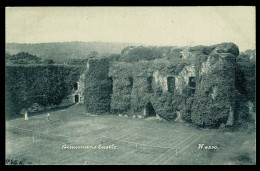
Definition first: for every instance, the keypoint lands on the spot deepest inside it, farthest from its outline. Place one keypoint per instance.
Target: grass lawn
(135, 141)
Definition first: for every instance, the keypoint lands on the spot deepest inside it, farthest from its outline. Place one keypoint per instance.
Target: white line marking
(171, 148)
(182, 149)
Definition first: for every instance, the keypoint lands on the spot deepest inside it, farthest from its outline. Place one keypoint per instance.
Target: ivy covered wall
(204, 85)
(209, 102)
(98, 86)
(46, 85)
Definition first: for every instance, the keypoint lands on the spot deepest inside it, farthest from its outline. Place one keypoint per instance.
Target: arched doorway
(149, 110)
(76, 98)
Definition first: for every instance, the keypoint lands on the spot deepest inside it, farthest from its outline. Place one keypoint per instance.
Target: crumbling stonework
(182, 79)
(212, 93)
(196, 84)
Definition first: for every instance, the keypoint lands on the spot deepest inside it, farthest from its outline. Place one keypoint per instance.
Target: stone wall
(209, 102)
(110, 86)
(150, 85)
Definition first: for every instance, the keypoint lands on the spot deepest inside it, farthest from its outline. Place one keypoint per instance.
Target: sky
(160, 26)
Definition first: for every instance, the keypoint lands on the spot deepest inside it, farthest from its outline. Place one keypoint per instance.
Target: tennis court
(134, 141)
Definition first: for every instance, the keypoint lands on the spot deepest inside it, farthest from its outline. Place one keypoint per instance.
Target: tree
(48, 61)
(93, 54)
(22, 58)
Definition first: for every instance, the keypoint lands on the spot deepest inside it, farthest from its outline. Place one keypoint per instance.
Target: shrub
(164, 106)
(245, 79)
(207, 113)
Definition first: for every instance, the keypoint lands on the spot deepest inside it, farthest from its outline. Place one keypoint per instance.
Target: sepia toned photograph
(136, 85)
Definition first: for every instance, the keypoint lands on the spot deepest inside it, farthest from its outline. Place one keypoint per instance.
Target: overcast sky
(174, 26)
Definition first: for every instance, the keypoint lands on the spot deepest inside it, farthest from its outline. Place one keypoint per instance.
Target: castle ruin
(194, 84)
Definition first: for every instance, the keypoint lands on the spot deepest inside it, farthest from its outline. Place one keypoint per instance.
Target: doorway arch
(149, 110)
(76, 98)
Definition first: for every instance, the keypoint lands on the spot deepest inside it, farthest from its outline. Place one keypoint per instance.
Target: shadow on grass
(242, 126)
(243, 158)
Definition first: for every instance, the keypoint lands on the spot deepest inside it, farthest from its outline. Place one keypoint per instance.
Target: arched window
(75, 86)
(131, 82)
(192, 84)
(171, 84)
(150, 82)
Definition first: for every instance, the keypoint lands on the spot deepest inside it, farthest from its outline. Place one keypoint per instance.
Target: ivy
(43, 84)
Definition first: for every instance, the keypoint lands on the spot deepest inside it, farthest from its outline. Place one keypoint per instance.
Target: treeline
(25, 58)
(22, 58)
(60, 51)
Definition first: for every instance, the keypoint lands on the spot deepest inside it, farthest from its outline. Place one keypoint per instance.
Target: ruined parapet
(187, 54)
(98, 87)
(226, 48)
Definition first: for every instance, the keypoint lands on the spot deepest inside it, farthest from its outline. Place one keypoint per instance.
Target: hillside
(60, 51)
